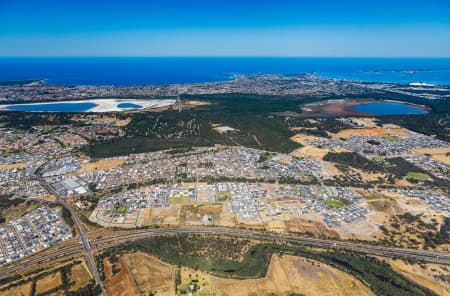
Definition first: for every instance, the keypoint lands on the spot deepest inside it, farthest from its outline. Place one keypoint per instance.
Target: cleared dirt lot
(99, 165)
(20, 165)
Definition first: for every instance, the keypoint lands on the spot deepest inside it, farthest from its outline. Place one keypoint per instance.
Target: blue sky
(225, 28)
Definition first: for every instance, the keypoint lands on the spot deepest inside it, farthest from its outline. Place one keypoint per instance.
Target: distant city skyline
(231, 28)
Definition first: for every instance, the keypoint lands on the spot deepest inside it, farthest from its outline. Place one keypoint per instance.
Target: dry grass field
(107, 268)
(289, 274)
(99, 165)
(202, 282)
(361, 131)
(150, 274)
(92, 118)
(142, 274)
(160, 216)
(303, 139)
(48, 283)
(19, 165)
(22, 290)
(426, 275)
(311, 152)
(122, 284)
(439, 154)
(79, 277)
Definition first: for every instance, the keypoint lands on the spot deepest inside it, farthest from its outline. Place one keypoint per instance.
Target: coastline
(102, 105)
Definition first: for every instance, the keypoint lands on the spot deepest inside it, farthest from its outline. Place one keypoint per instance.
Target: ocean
(138, 71)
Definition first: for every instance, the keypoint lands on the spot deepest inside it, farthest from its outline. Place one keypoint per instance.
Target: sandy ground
(20, 165)
(439, 154)
(341, 107)
(101, 164)
(311, 223)
(110, 105)
(370, 121)
(427, 277)
(162, 216)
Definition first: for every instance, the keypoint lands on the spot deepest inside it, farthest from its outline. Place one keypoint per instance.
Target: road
(89, 243)
(80, 228)
(112, 239)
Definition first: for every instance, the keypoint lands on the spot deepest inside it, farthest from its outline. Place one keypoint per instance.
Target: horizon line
(224, 56)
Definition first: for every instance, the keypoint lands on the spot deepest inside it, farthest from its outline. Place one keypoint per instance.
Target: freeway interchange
(115, 238)
(90, 243)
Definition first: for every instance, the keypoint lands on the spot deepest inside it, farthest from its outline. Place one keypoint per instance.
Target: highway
(90, 243)
(80, 228)
(113, 239)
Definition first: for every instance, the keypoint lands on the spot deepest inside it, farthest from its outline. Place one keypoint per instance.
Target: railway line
(114, 239)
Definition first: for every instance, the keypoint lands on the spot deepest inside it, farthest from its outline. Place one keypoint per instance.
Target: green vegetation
(428, 124)
(334, 203)
(250, 114)
(390, 138)
(353, 159)
(373, 142)
(418, 176)
(265, 157)
(119, 210)
(125, 146)
(221, 256)
(67, 216)
(337, 202)
(6, 201)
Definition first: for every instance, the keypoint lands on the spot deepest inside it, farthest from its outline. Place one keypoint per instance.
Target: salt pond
(388, 108)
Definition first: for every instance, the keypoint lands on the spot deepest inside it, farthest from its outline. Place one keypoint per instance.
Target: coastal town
(224, 148)
(72, 181)
(320, 170)
(216, 185)
(268, 84)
